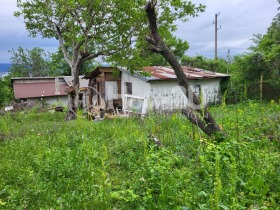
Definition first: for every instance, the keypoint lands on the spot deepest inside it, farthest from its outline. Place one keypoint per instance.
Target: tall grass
(47, 163)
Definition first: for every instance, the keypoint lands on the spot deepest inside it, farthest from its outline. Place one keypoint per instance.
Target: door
(111, 92)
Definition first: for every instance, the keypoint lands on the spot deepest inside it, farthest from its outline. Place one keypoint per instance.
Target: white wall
(210, 89)
(168, 95)
(139, 87)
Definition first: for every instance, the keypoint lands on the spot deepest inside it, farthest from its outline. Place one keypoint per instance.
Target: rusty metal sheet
(167, 73)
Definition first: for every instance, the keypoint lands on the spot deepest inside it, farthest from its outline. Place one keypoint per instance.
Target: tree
(6, 92)
(216, 65)
(89, 29)
(59, 66)
(262, 62)
(85, 30)
(178, 46)
(269, 44)
(268, 47)
(202, 117)
(29, 63)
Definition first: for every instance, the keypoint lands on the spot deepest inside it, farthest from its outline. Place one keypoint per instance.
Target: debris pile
(23, 105)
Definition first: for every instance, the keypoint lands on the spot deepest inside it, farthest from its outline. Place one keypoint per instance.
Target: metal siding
(35, 90)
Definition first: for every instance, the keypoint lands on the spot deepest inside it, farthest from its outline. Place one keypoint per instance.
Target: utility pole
(216, 34)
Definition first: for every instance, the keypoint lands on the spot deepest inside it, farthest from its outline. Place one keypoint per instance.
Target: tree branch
(76, 16)
(150, 10)
(150, 40)
(61, 42)
(204, 120)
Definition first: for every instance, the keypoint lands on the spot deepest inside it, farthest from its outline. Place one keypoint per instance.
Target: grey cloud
(240, 19)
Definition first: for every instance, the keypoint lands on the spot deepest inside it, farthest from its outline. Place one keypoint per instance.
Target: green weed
(47, 163)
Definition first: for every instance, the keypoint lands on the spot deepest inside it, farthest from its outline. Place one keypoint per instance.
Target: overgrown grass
(47, 163)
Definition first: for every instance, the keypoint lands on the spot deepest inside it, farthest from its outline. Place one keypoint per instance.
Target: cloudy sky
(239, 20)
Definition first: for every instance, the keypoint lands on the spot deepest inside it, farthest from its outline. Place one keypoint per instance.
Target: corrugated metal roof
(167, 73)
(35, 89)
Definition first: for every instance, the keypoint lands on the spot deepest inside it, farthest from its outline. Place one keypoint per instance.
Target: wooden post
(261, 87)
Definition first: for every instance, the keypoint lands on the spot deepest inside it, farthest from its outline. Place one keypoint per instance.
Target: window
(197, 90)
(80, 96)
(128, 88)
(135, 104)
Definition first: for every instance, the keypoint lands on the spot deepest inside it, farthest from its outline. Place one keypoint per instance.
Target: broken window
(128, 88)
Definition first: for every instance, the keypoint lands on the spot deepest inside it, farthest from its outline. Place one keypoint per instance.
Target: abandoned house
(50, 90)
(118, 89)
(157, 89)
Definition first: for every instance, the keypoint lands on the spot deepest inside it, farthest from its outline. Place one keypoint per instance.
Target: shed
(104, 87)
(158, 86)
(51, 90)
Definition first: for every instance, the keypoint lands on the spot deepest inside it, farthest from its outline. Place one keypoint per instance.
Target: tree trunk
(197, 114)
(73, 94)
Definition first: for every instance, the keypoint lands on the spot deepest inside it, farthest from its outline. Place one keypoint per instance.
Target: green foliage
(60, 67)
(36, 62)
(30, 63)
(104, 28)
(150, 58)
(168, 12)
(268, 45)
(246, 72)
(199, 61)
(113, 164)
(262, 60)
(6, 91)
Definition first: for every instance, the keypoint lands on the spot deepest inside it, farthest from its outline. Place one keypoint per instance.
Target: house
(51, 90)
(156, 89)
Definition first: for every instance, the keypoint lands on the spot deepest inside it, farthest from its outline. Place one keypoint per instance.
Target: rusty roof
(167, 73)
